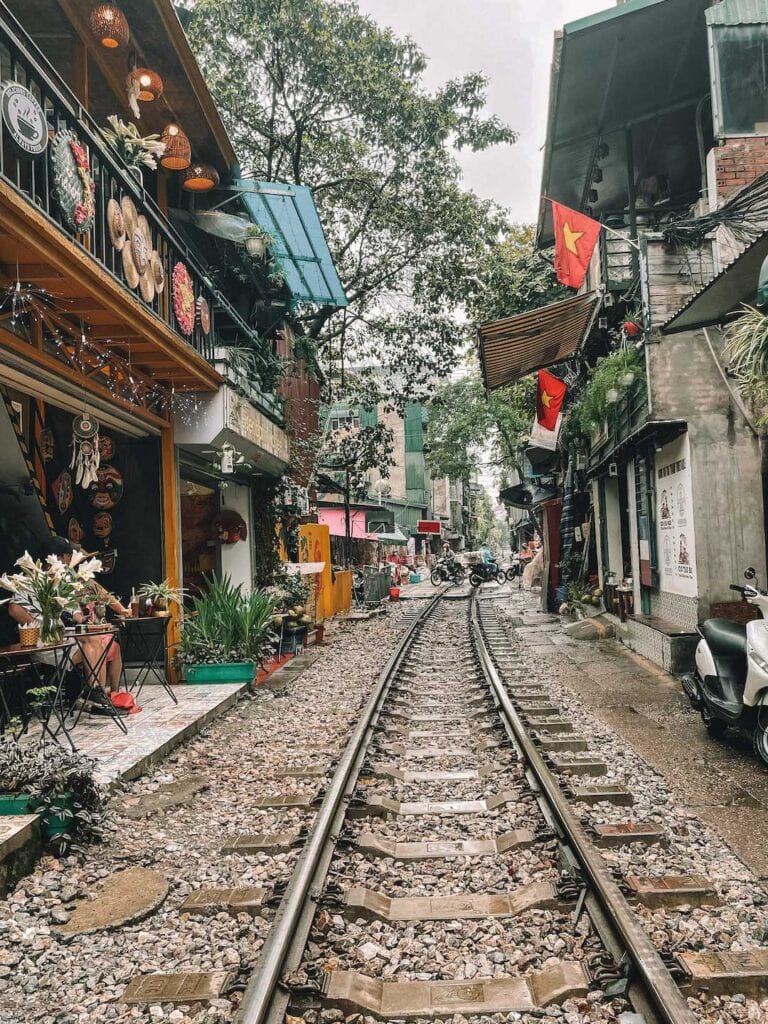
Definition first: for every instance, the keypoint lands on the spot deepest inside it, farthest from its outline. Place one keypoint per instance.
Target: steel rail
(263, 984)
(661, 988)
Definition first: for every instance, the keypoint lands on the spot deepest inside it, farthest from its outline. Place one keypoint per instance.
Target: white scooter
(730, 683)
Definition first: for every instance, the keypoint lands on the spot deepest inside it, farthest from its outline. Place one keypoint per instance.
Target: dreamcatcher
(85, 450)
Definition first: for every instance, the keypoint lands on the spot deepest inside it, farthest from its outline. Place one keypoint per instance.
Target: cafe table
(53, 710)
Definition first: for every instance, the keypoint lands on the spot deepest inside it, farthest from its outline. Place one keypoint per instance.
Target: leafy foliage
(514, 277)
(47, 773)
(315, 93)
(226, 625)
(612, 376)
(464, 421)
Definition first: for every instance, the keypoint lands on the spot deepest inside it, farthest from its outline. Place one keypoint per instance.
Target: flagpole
(603, 227)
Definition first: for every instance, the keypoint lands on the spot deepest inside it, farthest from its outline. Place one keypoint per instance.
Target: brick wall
(738, 161)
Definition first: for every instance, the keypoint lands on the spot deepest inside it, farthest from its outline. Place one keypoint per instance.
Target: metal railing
(22, 62)
(619, 265)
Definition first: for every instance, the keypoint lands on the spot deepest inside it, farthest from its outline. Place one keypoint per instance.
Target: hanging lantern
(148, 84)
(110, 26)
(200, 178)
(178, 152)
(631, 329)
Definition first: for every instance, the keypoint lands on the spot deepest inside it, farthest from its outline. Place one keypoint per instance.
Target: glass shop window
(740, 79)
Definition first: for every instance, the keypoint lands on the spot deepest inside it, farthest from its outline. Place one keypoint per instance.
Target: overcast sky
(511, 42)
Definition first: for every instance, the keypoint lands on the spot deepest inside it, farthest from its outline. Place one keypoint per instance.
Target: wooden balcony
(626, 418)
(90, 292)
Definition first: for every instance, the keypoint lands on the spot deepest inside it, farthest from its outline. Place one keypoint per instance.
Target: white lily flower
(26, 562)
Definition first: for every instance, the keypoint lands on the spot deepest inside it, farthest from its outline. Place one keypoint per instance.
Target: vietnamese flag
(550, 392)
(575, 238)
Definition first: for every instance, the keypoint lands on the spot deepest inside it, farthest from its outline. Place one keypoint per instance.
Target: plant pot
(255, 246)
(394, 593)
(14, 803)
(52, 822)
(225, 672)
(159, 604)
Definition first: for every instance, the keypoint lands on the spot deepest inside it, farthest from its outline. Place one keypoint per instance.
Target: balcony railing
(624, 418)
(21, 61)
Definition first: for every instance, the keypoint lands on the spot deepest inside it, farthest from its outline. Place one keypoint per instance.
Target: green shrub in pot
(226, 627)
(58, 784)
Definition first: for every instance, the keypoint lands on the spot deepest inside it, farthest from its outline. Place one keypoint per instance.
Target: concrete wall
(685, 384)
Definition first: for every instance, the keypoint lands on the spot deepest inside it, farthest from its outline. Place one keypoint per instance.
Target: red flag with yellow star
(575, 238)
(550, 392)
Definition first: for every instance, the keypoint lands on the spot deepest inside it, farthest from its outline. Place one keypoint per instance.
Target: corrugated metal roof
(289, 215)
(735, 284)
(511, 348)
(738, 12)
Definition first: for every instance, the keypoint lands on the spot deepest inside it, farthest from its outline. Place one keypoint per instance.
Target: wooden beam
(21, 219)
(57, 368)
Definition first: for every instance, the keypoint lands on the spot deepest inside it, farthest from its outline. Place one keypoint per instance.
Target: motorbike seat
(724, 637)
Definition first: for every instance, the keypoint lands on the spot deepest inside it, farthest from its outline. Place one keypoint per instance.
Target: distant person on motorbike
(487, 554)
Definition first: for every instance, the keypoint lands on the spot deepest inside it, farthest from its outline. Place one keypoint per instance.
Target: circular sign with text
(24, 118)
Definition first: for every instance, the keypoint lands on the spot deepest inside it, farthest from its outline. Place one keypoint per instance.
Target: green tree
(465, 425)
(315, 93)
(514, 277)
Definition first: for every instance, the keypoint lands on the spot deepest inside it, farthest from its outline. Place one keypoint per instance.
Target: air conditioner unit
(613, 469)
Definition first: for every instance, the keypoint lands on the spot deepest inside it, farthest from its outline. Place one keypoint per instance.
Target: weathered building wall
(738, 161)
(685, 384)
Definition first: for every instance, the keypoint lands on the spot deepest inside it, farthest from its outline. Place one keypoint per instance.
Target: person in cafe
(91, 647)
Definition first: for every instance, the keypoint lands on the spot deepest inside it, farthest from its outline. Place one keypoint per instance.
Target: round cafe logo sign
(24, 118)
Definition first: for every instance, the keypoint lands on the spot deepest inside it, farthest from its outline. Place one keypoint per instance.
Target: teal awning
(288, 213)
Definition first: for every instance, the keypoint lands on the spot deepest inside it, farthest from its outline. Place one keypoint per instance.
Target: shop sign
(432, 526)
(674, 518)
(24, 119)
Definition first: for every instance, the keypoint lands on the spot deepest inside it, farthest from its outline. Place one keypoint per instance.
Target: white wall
(613, 526)
(236, 559)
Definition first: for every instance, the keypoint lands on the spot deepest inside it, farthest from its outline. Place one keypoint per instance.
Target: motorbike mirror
(750, 573)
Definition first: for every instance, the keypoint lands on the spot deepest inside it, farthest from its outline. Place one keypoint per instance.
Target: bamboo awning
(509, 349)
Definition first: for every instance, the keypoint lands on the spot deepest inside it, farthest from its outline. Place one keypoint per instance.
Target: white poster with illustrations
(674, 518)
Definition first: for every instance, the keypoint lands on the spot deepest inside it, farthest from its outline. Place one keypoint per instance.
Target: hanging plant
(617, 374)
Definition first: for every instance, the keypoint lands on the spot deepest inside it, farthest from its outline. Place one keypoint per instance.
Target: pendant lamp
(148, 83)
(200, 178)
(110, 26)
(178, 152)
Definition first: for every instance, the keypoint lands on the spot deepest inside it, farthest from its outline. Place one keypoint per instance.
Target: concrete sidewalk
(719, 780)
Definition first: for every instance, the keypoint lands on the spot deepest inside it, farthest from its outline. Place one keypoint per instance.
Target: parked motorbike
(514, 570)
(447, 570)
(489, 572)
(730, 683)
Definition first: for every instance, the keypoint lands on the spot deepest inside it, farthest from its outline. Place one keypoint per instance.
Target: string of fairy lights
(23, 305)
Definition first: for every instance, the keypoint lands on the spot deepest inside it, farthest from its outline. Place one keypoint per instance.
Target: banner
(674, 519)
(543, 438)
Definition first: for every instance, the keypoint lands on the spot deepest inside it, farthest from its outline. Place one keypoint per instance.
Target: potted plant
(290, 592)
(257, 241)
(45, 590)
(133, 149)
(227, 634)
(160, 595)
(56, 783)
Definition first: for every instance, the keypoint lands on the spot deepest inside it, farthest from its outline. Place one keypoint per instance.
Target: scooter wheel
(760, 735)
(715, 726)
(436, 578)
(475, 580)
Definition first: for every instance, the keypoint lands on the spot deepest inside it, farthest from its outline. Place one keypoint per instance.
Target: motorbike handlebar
(736, 587)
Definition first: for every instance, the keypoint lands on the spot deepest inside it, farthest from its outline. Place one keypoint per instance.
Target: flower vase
(51, 628)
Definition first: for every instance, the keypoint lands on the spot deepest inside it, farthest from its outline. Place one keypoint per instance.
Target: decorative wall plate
(116, 224)
(102, 524)
(73, 185)
(204, 314)
(183, 299)
(106, 447)
(75, 532)
(158, 274)
(24, 118)
(140, 249)
(130, 216)
(62, 490)
(107, 491)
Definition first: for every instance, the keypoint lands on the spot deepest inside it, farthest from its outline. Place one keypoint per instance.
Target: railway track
(455, 830)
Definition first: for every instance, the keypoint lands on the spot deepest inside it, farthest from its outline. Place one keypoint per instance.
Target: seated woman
(90, 648)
